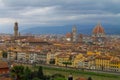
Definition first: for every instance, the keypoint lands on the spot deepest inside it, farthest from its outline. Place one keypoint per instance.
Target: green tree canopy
(67, 63)
(36, 79)
(89, 78)
(59, 78)
(40, 73)
(4, 54)
(18, 72)
(27, 73)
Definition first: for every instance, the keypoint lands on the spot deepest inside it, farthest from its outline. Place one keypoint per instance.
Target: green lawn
(76, 74)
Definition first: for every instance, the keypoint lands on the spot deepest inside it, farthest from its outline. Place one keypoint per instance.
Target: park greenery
(20, 72)
(67, 63)
(83, 72)
(25, 73)
(80, 73)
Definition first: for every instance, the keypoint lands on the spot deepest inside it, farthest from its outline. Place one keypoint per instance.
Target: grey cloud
(63, 12)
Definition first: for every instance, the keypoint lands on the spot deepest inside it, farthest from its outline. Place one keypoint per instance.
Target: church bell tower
(74, 34)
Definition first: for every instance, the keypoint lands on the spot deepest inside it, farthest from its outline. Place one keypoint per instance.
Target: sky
(31, 13)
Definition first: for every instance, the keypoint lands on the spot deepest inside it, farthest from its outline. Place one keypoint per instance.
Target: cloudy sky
(31, 13)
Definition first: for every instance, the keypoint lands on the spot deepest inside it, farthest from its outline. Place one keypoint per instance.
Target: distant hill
(84, 29)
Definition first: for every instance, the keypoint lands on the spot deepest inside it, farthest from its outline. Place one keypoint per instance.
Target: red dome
(98, 29)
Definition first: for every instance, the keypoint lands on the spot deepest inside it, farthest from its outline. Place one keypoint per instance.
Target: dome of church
(98, 29)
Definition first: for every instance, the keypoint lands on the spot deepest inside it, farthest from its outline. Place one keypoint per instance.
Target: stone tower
(16, 29)
(74, 34)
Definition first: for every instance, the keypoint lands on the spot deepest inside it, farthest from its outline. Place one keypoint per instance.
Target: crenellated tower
(16, 29)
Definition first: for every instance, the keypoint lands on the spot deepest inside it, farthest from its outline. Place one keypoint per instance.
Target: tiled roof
(63, 55)
(3, 64)
(98, 29)
(103, 57)
(4, 78)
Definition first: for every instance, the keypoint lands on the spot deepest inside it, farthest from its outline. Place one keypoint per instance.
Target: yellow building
(1, 54)
(115, 64)
(79, 58)
(49, 57)
(60, 58)
(27, 55)
(93, 53)
(102, 62)
(91, 64)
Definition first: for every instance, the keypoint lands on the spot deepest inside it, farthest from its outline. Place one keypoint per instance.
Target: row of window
(114, 66)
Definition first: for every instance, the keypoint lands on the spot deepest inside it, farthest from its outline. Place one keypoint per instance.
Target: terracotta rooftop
(103, 57)
(63, 55)
(3, 64)
(4, 78)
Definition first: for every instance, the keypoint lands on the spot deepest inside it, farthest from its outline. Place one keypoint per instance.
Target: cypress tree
(40, 73)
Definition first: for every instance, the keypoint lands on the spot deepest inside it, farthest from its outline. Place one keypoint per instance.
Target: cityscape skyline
(59, 40)
(39, 13)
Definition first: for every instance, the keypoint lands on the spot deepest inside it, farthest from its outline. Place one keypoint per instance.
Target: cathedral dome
(98, 29)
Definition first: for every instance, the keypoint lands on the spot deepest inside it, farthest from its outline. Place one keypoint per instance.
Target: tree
(27, 74)
(4, 54)
(36, 79)
(89, 78)
(34, 74)
(18, 72)
(40, 73)
(58, 76)
(47, 77)
(66, 63)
